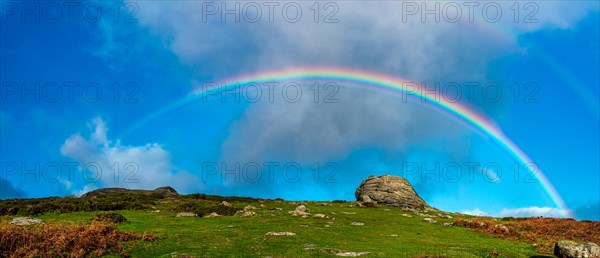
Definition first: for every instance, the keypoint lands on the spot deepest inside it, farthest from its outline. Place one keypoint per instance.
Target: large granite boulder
(571, 249)
(392, 191)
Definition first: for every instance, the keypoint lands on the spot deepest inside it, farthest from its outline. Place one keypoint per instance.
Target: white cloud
(533, 211)
(524, 212)
(368, 35)
(114, 165)
(475, 212)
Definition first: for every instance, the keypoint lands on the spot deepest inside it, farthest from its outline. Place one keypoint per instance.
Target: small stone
(357, 224)
(319, 216)
(250, 207)
(406, 215)
(280, 234)
(187, 214)
(351, 254)
(502, 228)
(212, 215)
(247, 214)
(225, 203)
(430, 220)
(301, 211)
(26, 221)
(446, 224)
(393, 235)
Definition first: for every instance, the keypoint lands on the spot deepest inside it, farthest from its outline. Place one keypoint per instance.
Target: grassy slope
(236, 236)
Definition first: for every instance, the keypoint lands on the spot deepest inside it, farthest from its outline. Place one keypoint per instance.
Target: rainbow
(366, 79)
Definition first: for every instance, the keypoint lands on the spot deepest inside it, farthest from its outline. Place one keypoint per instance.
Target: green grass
(232, 236)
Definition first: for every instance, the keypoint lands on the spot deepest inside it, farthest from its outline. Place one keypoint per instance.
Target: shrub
(93, 240)
(109, 217)
(205, 208)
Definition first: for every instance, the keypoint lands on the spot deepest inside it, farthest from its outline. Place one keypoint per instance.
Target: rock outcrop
(164, 191)
(571, 249)
(26, 221)
(392, 191)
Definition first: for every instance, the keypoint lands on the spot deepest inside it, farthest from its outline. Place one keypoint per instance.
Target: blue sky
(155, 53)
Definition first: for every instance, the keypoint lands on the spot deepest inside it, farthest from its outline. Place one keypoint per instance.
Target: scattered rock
(225, 203)
(430, 220)
(390, 190)
(425, 215)
(280, 234)
(302, 208)
(406, 215)
(276, 209)
(502, 228)
(212, 215)
(470, 223)
(157, 211)
(571, 249)
(347, 213)
(393, 235)
(301, 211)
(320, 216)
(357, 224)
(26, 221)
(186, 214)
(446, 224)
(351, 254)
(245, 214)
(250, 207)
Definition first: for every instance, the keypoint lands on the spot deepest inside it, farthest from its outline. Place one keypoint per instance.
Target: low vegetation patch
(109, 217)
(93, 240)
(28, 207)
(205, 208)
(543, 232)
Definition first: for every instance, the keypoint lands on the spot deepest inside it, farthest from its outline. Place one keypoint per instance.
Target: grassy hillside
(387, 231)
